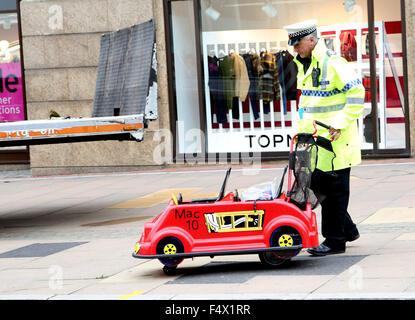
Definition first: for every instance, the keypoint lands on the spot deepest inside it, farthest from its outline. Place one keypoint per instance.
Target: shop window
(12, 106)
(254, 109)
(390, 75)
(8, 5)
(11, 88)
(189, 135)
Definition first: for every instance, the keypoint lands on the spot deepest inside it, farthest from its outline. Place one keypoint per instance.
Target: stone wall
(61, 43)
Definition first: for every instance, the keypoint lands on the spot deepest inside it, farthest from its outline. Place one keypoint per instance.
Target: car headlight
(137, 248)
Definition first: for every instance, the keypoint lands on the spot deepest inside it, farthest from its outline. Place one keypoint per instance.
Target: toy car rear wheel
(270, 259)
(284, 236)
(170, 245)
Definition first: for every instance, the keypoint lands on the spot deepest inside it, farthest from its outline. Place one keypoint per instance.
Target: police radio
(315, 74)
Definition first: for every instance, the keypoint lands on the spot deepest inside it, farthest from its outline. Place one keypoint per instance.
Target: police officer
(332, 93)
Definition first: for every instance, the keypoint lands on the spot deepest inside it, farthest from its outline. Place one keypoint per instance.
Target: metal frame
(405, 79)
(61, 130)
(170, 72)
(375, 153)
(200, 70)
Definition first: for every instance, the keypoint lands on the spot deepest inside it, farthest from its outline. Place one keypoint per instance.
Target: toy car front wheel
(170, 245)
(169, 270)
(284, 236)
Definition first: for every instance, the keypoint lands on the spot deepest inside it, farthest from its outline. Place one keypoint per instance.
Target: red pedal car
(276, 229)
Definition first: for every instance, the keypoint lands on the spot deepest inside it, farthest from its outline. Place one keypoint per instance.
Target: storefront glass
(255, 108)
(390, 75)
(188, 133)
(11, 89)
(248, 77)
(8, 5)
(11, 83)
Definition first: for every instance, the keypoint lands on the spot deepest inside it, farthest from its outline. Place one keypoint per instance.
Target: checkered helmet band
(295, 37)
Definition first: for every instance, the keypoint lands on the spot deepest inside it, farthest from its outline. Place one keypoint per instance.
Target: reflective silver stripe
(355, 100)
(324, 73)
(335, 107)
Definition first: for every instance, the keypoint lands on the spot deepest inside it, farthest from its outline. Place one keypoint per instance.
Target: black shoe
(323, 250)
(353, 237)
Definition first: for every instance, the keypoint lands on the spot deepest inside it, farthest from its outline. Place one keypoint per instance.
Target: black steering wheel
(235, 195)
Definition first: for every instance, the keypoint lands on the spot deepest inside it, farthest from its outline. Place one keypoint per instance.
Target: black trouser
(336, 225)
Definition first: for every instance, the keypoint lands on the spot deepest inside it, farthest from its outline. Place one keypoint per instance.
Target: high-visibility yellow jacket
(338, 101)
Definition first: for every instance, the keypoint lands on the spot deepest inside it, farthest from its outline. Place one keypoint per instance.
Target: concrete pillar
(61, 43)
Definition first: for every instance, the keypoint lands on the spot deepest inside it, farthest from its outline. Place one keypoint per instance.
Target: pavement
(71, 238)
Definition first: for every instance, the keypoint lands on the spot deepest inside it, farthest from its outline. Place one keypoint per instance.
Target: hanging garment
(227, 72)
(280, 66)
(367, 120)
(348, 47)
(290, 75)
(269, 81)
(235, 108)
(241, 77)
(253, 84)
(366, 84)
(287, 76)
(267, 87)
(257, 72)
(256, 64)
(368, 91)
(217, 99)
(329, 42)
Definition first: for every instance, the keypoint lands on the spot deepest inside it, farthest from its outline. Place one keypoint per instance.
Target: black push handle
(321, 124)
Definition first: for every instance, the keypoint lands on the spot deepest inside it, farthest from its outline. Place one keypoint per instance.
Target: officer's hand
(334, 133)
